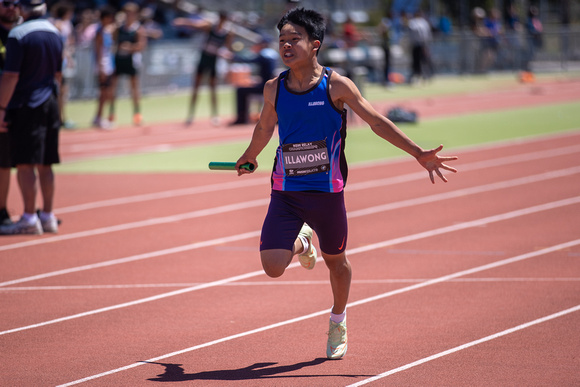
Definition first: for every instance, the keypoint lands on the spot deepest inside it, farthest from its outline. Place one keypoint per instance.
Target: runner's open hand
(431, 161)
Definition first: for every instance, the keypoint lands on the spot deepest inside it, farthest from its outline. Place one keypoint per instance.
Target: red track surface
(157, 278)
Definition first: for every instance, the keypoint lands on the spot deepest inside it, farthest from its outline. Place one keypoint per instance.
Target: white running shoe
(103, 124)
(50, 224)
(308, 258)
(22, 227)
(337, 343)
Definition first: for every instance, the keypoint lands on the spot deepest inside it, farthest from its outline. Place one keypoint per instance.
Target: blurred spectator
(105, 63)
(62, 15)
(219, 38)
(152, 29)
(384, 31)
(444, 25)
(420, 37)
(266, 58)
(350, 33)
(485, 54)
(9, 15)
(493, 38)
(130, 40)
(29, 112)
(513, 32)
(86, 28)
(534, 29)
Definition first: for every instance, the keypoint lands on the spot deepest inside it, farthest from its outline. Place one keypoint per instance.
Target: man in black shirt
(9, 15)
(29, 113)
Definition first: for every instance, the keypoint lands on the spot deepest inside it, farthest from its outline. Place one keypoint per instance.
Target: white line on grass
(219, 241)
(350, 305)
(467, 345)
(408, 238)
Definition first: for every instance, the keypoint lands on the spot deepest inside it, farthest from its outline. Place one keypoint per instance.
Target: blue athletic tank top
(312, 131)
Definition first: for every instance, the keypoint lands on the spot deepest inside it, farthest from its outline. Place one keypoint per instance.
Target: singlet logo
(316, 103)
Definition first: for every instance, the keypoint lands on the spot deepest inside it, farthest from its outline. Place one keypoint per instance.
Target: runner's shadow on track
(176, 373)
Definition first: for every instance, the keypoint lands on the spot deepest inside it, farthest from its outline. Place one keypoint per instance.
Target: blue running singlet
(312, 131)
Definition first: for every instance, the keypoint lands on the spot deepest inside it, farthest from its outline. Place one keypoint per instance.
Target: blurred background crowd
(388, 41)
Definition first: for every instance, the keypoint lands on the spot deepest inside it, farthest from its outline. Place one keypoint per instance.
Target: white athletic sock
(44, 216)
(30, 218)
(338, 318)
(304, 243)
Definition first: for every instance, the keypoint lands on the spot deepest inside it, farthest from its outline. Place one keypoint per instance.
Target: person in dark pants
(29, 112)
(219, 38)
(9, 15)
(131, 42)
(420, 38)
(266, 59)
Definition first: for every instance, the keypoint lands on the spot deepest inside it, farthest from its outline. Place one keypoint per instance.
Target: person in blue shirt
(265, 59)
(29, 112)
(307, 102)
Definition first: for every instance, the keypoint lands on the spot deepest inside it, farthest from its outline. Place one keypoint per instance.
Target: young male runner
(310, 170)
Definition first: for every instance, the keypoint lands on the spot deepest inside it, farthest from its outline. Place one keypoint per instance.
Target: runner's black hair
(312, 21)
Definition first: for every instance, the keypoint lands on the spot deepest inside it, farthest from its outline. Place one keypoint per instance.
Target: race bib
(305, 158)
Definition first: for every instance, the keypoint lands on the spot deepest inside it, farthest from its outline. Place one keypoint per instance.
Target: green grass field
(173, 107)
(362, 144)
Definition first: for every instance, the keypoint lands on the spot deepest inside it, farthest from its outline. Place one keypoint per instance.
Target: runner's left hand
(432, 162)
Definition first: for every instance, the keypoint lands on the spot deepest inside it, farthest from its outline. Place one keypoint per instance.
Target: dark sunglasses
(7, 4)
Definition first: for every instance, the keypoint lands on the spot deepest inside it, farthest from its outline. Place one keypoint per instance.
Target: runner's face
(9, 12)
(294, 44)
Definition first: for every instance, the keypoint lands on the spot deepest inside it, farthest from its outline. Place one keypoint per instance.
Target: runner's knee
(275, 262)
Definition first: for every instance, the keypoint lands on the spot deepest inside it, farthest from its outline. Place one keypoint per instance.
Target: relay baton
(229, 166)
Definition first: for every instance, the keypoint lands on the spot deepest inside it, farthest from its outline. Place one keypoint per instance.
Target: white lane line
(507, 261)
(408, 238)
(351, 215)
(138, 224)
(281, 283)
(220, 187)
(263, 202)
(352, 186)
(467, 345)
(474, 166)
(468, 191)
(153, 254)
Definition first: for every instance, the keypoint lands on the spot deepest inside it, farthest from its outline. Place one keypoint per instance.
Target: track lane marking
(218, 187)
(222, 209)
(282, 283)
(256, 203)
(374, 246)
(350, 305)
(468, 345)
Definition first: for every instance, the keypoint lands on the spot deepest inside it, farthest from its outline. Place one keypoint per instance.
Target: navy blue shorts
(324, 212)
(34, 133)
(5, 160)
